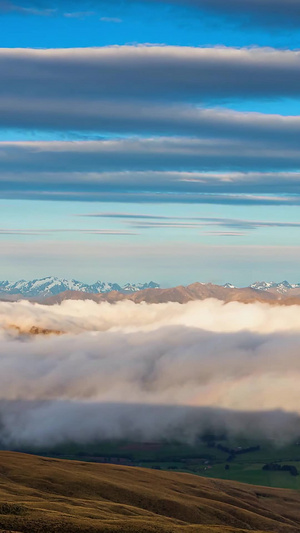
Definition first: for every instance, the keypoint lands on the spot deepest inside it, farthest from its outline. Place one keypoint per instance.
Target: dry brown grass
(39, 495)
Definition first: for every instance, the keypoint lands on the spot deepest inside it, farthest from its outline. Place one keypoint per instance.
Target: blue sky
(157, 141)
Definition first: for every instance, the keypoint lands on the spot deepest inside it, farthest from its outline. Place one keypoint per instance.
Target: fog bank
(75, 316)
(148, 372)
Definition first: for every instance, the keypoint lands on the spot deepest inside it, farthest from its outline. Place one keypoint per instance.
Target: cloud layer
(133, 154)
(155, 73)
(153, 92)
(127, 117)
(148, 371)
(153, 170)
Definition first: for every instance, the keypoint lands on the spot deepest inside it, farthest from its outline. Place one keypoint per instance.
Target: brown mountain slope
(39, 495)
(196, 291)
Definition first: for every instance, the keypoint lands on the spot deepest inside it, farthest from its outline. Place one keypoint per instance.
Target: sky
(150, 140)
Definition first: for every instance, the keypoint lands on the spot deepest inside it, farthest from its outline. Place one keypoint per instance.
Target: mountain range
(51, 286)
(53, 290)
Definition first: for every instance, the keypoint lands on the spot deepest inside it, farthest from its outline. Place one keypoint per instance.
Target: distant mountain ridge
(182, 295)
(55, 290)
(282, 287)
(52, 286)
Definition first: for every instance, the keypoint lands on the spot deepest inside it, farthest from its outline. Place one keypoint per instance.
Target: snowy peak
(229, 286)
(51, 286)
(282, 287)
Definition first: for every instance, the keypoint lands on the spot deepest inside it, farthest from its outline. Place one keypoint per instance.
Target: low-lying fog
(148, 371)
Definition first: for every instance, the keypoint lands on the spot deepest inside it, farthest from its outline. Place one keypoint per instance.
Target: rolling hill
(41, 495)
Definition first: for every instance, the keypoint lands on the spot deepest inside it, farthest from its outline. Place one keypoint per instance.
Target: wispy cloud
(38, 232)
(19, 232)
(220, 222)
(24, 8)
(127, 216)
(225, 233)
(172, 222)
(114, 20)
(79, 14)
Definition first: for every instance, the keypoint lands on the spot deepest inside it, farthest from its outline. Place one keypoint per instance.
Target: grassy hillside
(42, 495)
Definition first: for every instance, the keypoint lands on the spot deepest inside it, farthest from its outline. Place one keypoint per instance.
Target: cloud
(114, 20)
(148, 371)
(154, 170)
(19, 232)
(18, 7)
(127, 117)
(137, 219)
(250, 224)
(128, 216)
(149, 73)
(38, 232)
(156, 198)
(44, 90)
(200, 222)
(79, 14)
(154, 154)
(225, 233)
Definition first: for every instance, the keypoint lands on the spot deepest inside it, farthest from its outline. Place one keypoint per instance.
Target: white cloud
(114, 20)
(125, 361)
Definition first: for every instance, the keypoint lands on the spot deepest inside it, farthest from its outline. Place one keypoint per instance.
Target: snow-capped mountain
(229, 286)
(269, 286)
(52, 286)
(282, 287)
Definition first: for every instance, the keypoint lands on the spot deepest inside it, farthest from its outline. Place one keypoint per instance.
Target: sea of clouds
(148, 371)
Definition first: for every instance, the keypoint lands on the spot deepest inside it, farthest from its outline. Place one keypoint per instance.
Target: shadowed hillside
(40, 495)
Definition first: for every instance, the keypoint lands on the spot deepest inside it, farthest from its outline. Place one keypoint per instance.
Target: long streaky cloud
(157, 73)
(155, 154)
(136, 218)
(222, 222)
(127, 117)
(23, 176)
(38, 232)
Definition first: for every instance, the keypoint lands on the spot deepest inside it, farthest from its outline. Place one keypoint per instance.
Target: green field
(205, 458)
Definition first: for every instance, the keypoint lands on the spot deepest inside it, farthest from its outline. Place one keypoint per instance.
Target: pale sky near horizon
(150, 139)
